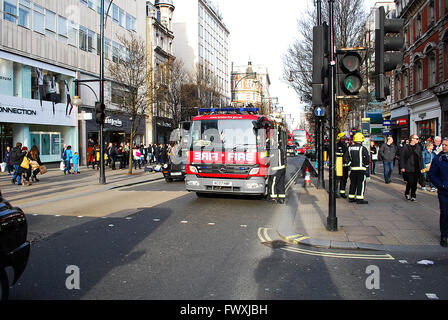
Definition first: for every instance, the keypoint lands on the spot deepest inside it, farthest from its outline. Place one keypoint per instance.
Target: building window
(418, 76)
(38, 19)
(115, 12)
(50, 23)
(10, 11)
(445, 46)
(397, 88)
(431, 13)
(62, 29)
(24, 13)
(82, 38)
(432, 70)
(418, 27)
(122, 18)
(115, 52)
(72, 33)
(405, 84)
(90, 43)
(106, 48)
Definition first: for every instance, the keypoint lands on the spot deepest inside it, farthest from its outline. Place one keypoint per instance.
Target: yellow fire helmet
(358, 137)
(341, 135)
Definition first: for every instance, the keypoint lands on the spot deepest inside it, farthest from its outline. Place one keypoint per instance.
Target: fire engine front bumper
(252, 185)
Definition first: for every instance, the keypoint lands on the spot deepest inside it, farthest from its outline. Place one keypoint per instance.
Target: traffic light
(388, 44)
(349, 77)
(99, 112)
(320, 65)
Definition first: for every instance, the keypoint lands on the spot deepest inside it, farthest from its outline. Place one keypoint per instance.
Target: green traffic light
(352, 84)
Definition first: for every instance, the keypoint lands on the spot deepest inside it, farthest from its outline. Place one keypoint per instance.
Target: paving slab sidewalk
(387, 220)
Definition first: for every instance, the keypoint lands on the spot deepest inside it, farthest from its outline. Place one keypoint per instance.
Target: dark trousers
(357, 184)
(411, 183)
(443, 201)
(343, 180)
(276, 184)
(372, 166)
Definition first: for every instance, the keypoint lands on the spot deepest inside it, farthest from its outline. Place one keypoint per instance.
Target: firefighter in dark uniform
(342, 166)
(358, 158)
(277, 168)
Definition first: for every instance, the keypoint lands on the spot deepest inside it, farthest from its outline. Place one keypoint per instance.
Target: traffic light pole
(319, 125)
(332, 221)
(102, 179)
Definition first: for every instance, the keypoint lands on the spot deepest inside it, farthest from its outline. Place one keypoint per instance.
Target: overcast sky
(263, 30)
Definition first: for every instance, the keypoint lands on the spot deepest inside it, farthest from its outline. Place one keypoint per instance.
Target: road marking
(264, 237)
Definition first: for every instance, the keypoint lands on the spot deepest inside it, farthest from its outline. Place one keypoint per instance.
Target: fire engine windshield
(225, 135)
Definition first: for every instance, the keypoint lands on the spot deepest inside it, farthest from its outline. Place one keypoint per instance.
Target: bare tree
(206, 83)
(132, 79)
(349, 19)
(169, 89)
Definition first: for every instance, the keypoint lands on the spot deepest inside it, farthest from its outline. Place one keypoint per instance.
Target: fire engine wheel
(4, 284)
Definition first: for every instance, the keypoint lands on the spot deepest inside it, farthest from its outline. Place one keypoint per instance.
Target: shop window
(427, 128)
(10, 11)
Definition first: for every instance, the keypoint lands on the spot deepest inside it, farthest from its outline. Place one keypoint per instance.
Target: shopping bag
(62, 166)
(43, 169)
(3, 167)
(25, 163)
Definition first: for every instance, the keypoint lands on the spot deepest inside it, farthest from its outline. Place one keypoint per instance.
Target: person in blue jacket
(67, 156)
(438, 174)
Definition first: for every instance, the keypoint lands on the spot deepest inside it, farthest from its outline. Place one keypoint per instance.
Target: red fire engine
(230, 151)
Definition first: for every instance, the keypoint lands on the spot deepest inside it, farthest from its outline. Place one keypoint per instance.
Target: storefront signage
(402, 122)
(164, 124)
(18, 111)
(387, 123)
(114, 122)
(29, 111)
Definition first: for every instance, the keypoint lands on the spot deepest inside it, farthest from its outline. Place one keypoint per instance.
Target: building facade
(44, 47)
(202, 41)
(419, 87)
(159, 43)
(250, 85)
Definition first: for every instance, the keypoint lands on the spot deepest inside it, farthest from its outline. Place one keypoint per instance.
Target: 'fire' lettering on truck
(224, 157)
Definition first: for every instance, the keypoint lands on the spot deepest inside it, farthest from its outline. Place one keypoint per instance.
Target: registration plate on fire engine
(222, 183)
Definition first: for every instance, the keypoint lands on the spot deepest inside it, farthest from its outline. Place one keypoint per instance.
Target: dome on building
(164, 2)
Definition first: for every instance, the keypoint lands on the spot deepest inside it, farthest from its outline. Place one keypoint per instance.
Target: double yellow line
(265, 238)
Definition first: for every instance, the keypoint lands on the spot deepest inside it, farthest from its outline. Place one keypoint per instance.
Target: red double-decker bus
(300, 139)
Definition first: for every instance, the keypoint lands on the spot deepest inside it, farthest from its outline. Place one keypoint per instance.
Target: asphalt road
(211, 248)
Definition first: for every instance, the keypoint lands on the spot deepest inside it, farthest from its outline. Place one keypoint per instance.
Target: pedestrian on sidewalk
(437, 145)
(75, 161)
(388, 153)
(373, 156)
(438, 174)
(17, 158)
(7, 160)
(68, 156)
(35, 156)
(136, 157)
(25, 167)
(412, 166)
(358, 157)
(427, 155)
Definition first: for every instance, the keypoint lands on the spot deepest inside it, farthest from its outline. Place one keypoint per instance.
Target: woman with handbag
(373, 157)
(25, 167)
(35, 163)
(428, 154)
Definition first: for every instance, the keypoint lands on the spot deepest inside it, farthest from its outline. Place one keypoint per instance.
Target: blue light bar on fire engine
(203, 110)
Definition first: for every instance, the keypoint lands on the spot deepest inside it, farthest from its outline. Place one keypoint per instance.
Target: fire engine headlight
(165, 165)
(193, 169)
(192, 183)
(254, 171)
(254, 185)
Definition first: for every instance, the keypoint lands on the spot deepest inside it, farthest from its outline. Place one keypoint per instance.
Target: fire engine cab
(229, 152)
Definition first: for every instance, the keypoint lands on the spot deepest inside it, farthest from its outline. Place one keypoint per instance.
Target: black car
(14, 249)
